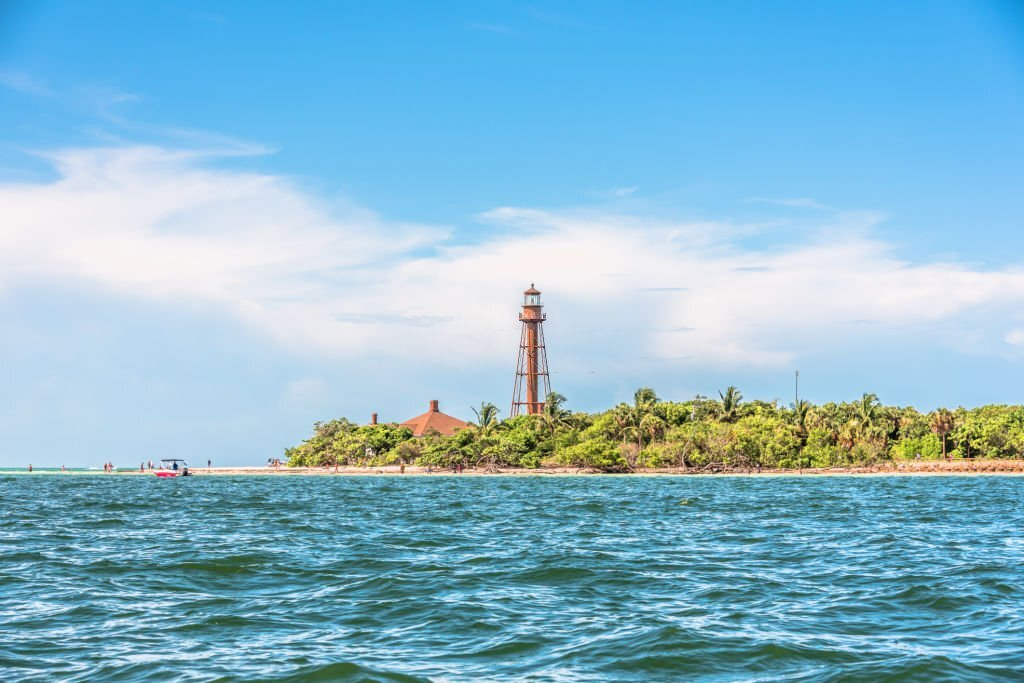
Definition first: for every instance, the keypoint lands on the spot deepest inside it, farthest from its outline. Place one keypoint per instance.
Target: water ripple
(550, 579)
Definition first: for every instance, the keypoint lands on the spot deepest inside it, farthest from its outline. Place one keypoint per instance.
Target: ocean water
(511, 578)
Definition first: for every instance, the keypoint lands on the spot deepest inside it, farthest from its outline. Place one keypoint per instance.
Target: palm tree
(487, 419)
(801, 413)
(643, 419)
(644, 396)
(942, 424)
(638, 419)
(730, 403)
(625, 417)
(801, 410)
(628, 418)
(846, 437)
(554, 415)
(553, 404)
(866, 414)
(653, 425)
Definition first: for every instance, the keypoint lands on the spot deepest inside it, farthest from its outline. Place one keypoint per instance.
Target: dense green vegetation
(700, 434)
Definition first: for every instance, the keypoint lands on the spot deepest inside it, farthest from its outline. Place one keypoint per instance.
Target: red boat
(172, 467)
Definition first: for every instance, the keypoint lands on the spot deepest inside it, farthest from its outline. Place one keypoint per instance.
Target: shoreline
(909, 468)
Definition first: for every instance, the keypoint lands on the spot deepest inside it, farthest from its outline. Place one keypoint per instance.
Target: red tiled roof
(434, 420)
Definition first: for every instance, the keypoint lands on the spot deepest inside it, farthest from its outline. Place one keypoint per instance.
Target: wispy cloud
(99, 100)
(797, 203)
(392, 319)
(105, 102)
(1015, 337)
(24, 83)
(167, 225)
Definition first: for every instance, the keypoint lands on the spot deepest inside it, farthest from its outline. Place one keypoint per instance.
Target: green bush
(705, 433)
(929, 446)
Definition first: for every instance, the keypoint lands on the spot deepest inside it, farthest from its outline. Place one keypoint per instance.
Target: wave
(545, 579)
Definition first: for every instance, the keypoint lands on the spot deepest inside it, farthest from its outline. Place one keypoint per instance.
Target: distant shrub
(929, 446)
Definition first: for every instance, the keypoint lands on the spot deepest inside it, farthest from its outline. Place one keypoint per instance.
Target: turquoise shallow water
(448, 578)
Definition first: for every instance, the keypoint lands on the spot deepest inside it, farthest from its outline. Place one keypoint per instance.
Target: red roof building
(434, 421)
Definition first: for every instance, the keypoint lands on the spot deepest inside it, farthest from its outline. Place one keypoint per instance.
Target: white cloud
(1014, 338)
(338, 280)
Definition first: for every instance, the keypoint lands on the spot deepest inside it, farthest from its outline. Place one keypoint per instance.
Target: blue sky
(222, 221)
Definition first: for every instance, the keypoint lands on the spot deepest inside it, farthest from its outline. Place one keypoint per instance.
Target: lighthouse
(532, 383)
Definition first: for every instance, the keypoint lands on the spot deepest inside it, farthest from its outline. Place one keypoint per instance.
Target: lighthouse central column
(532, 400)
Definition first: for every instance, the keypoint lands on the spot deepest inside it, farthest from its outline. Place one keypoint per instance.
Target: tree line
(701, 434)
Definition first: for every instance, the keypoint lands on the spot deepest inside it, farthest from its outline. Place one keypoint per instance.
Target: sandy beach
(910, 468)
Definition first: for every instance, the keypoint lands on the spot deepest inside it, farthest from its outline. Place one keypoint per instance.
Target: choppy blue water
(448, 578)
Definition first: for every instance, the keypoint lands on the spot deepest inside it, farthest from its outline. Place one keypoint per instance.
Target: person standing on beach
(30, 467)
(209, 464)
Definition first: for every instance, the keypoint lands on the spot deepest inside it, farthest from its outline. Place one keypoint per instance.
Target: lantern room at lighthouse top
(531, 305)
(531, 297)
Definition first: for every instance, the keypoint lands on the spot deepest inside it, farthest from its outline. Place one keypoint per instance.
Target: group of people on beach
(108, 467)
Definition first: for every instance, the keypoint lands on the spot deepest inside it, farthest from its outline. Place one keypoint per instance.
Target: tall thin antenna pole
(796, 390)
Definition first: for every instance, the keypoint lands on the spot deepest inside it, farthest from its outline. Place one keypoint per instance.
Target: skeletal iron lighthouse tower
(532, 382)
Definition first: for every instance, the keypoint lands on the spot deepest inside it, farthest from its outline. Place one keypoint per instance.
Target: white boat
(172, 467)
